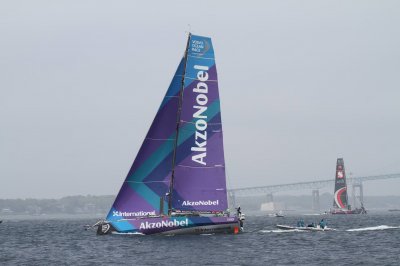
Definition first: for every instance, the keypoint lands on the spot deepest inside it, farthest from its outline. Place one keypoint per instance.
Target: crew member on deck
(238, 211)
(322, 224)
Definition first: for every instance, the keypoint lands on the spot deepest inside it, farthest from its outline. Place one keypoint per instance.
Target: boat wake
(130, 233)
(373, 228)
(281, 231)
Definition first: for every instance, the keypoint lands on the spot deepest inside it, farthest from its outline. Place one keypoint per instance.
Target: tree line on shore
(66, 205)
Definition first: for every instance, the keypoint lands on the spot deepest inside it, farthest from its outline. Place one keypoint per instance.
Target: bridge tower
(315, 200)
(357, 194)
(269, 204)
(270, 197)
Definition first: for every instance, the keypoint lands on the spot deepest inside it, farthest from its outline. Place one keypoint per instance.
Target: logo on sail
(200, 203)
(134, 214)
(340, 174)
(199, 47)
(338, 197)
(200, 116)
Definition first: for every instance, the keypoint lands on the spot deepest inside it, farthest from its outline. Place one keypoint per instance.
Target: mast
(178, 119)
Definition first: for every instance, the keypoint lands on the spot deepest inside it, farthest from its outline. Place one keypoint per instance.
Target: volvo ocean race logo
(200, 203)
(174, 223)
(133, 214)
(200, 116)
(200, 47)
(105, 228)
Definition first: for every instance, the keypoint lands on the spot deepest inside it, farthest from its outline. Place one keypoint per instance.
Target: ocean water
(372, 239)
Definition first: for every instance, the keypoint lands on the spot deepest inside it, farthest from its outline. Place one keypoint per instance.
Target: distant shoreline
(96, 207)
(20, 217)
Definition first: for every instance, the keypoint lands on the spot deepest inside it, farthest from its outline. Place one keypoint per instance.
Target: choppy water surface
(359, 240)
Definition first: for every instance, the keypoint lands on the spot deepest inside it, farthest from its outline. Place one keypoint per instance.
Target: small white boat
(304, 228)
(277, 214)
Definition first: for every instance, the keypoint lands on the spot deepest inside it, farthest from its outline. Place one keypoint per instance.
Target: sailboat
(340, 198)
(177, 183)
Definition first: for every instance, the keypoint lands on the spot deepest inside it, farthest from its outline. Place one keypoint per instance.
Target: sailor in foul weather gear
(322, 224)
(240, 216)
(300, 223)
(238, 211)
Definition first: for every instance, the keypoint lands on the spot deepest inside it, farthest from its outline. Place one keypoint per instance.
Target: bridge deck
(304, 185)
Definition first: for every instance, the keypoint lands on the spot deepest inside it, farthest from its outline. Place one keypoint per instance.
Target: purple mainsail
(199, 171)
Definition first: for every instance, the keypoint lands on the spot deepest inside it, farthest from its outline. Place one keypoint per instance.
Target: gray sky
(301, 83)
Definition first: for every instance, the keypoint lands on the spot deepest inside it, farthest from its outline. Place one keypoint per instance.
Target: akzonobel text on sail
(200, 116)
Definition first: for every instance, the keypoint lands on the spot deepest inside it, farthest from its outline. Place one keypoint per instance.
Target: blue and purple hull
(172, 225)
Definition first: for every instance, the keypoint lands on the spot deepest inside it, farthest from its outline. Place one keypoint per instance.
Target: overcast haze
(301, 83)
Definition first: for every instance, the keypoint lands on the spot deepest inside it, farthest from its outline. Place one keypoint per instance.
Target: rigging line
(230, 197)
(191, 130)
(190, 29)
(147, 182)
(213, 80)
(190, 122)
(187, 166)
(158, 139)
(209, 58)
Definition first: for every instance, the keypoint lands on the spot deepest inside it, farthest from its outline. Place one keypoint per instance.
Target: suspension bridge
(355, 182)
